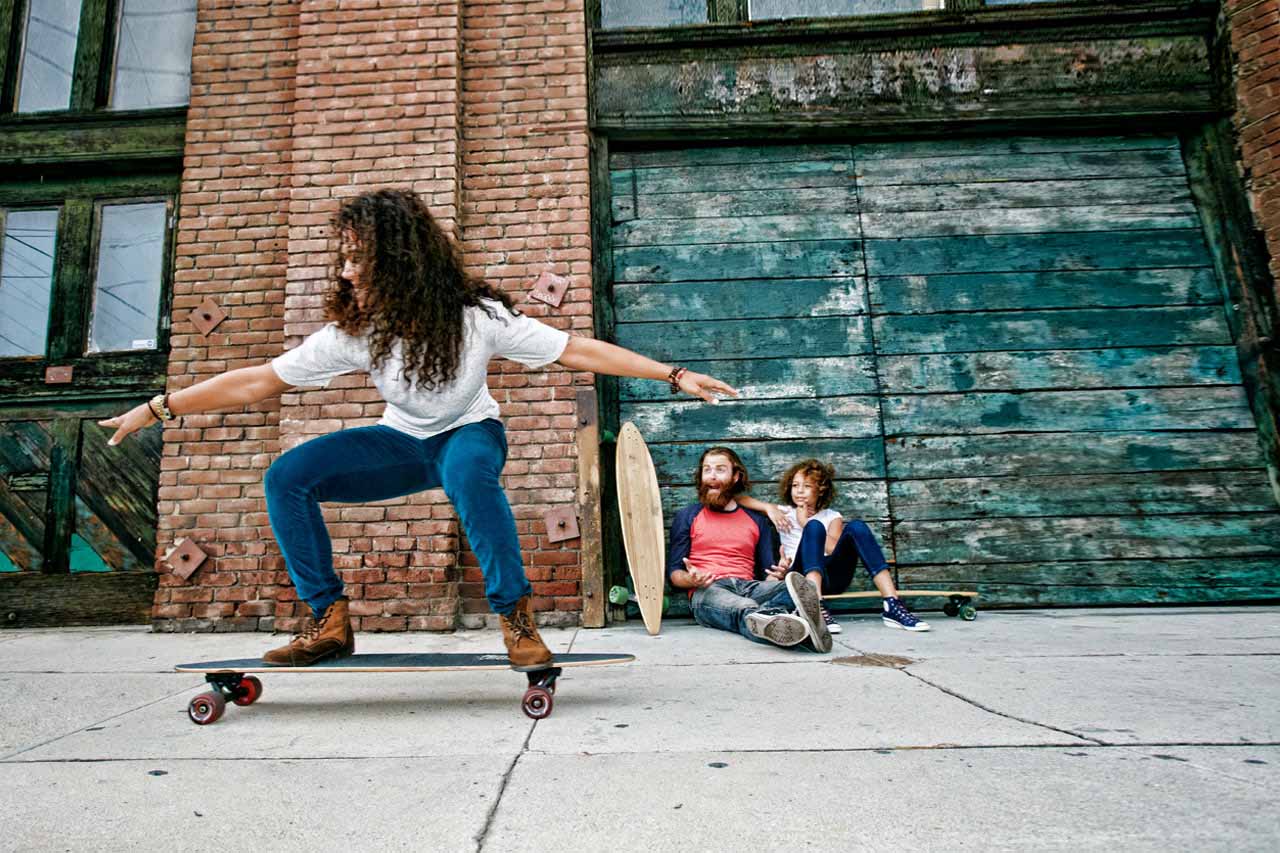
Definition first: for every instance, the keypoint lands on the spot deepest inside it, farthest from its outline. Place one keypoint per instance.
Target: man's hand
(700, 580)
(779, 571)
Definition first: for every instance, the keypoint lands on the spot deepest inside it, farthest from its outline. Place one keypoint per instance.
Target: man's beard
(715, 500)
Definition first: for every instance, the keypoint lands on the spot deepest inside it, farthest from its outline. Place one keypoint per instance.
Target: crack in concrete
(480, 836)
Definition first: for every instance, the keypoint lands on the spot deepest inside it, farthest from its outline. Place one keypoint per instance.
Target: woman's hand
(705, 387)
(131, 421)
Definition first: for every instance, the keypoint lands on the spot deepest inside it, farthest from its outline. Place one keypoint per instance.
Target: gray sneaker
(777, 627)
(809, 608)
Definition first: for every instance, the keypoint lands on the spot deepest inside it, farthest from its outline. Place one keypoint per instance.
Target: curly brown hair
(416, 287)
(821, 473)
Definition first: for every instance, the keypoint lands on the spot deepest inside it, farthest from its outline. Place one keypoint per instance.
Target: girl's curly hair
(416, 287)
(822, 474)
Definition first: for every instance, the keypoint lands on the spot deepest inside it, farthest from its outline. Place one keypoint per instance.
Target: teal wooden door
(1014, 351)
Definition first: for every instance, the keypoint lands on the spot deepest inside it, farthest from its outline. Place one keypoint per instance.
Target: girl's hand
(705, 387)
(778, 515)
(131, 421)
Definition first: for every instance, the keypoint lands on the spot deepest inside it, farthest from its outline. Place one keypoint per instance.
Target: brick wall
(1255, 41)
(481, 109)
(232, 245)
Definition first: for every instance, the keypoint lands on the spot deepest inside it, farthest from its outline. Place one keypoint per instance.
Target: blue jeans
(727, 603)
(857, 542)
(377, 462)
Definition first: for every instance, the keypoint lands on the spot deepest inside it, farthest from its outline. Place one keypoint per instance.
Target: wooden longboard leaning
(640, 506)
(959, 601)
(230, 679)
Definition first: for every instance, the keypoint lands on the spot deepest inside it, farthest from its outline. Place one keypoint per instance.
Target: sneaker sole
(786, 632)
(809, 604)
(923, 626)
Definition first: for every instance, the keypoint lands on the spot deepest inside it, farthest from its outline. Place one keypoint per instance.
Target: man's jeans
(727, 603)
(377, 462)
(857, 542)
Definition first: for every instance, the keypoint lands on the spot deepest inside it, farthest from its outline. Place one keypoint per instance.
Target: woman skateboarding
(403, 310)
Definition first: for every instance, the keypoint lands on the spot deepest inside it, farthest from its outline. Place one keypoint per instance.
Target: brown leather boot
(525, 648)
(329, 636)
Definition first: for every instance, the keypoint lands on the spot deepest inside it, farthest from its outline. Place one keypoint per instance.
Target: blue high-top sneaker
(896, 615)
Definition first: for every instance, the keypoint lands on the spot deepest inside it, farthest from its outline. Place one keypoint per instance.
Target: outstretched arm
(600, 357)
(231, 390)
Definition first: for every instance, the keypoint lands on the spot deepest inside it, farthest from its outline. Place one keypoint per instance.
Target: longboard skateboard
(231, 679)
(640, 506)
(959, 602)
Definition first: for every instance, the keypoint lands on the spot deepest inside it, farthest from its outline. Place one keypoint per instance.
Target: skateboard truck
(239, 688)
(538, 701)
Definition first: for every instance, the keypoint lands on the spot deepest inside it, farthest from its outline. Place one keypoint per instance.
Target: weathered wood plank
(730, 155)
(792, 86)
(820, 336)
(86, 598)
(1127, 367)
(740, 176)
(773, 378)
(766, 461)
(1066, 453)
(1205, 573)
(1036, 220)
(1025, 194)
(747, 260)
(1020, 540)
(736, 420)
(900, 334)
(118, 486)
(1035, 252)
(733, 300)
(755, 229)
(697, 204)
(1002, 146)
(928, 294)
(995, 167)
(1154, 493)
(1204, 407)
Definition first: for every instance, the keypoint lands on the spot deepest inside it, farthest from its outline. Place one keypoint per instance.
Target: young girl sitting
(817, 541)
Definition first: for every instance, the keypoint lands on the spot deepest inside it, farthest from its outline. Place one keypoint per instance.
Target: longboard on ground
(640, 506)
(959, 602)
(231, 680)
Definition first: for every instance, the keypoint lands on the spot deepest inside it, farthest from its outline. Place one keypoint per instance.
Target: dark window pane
(651, 13)
(48, 55)
(765, 9)
(26, 280)
(126, 294)
(153, 54)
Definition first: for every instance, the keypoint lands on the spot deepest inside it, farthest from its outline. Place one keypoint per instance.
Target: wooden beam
(33, 600)
(589, 489)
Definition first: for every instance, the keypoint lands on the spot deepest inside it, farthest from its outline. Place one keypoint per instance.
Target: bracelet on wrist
(159, 406)
(674, 378)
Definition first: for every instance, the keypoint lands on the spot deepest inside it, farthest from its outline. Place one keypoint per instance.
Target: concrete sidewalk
(1045, 730)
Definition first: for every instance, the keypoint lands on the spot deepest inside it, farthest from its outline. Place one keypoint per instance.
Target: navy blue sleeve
(768, 548)
(681, 526)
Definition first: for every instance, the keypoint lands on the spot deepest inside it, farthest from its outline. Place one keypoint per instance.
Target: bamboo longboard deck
(234, 680)
(640, 506)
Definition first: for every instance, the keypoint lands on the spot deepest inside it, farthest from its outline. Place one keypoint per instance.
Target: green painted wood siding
(1013, 350)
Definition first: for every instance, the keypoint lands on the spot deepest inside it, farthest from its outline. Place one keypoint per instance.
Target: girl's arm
(776, 514)
(600, 357)
(231, 390)
(834, 529)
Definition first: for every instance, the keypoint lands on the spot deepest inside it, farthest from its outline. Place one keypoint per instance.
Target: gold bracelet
(159, 406)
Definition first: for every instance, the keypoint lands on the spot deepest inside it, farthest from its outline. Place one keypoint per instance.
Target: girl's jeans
(857, 542)
(377, 462)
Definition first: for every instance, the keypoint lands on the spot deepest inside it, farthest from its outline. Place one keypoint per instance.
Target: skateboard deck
(960, 602)
(232, 679)
(640, 506)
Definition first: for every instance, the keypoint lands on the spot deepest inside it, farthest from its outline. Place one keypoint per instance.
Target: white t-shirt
(791, 538)
(330, 352)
